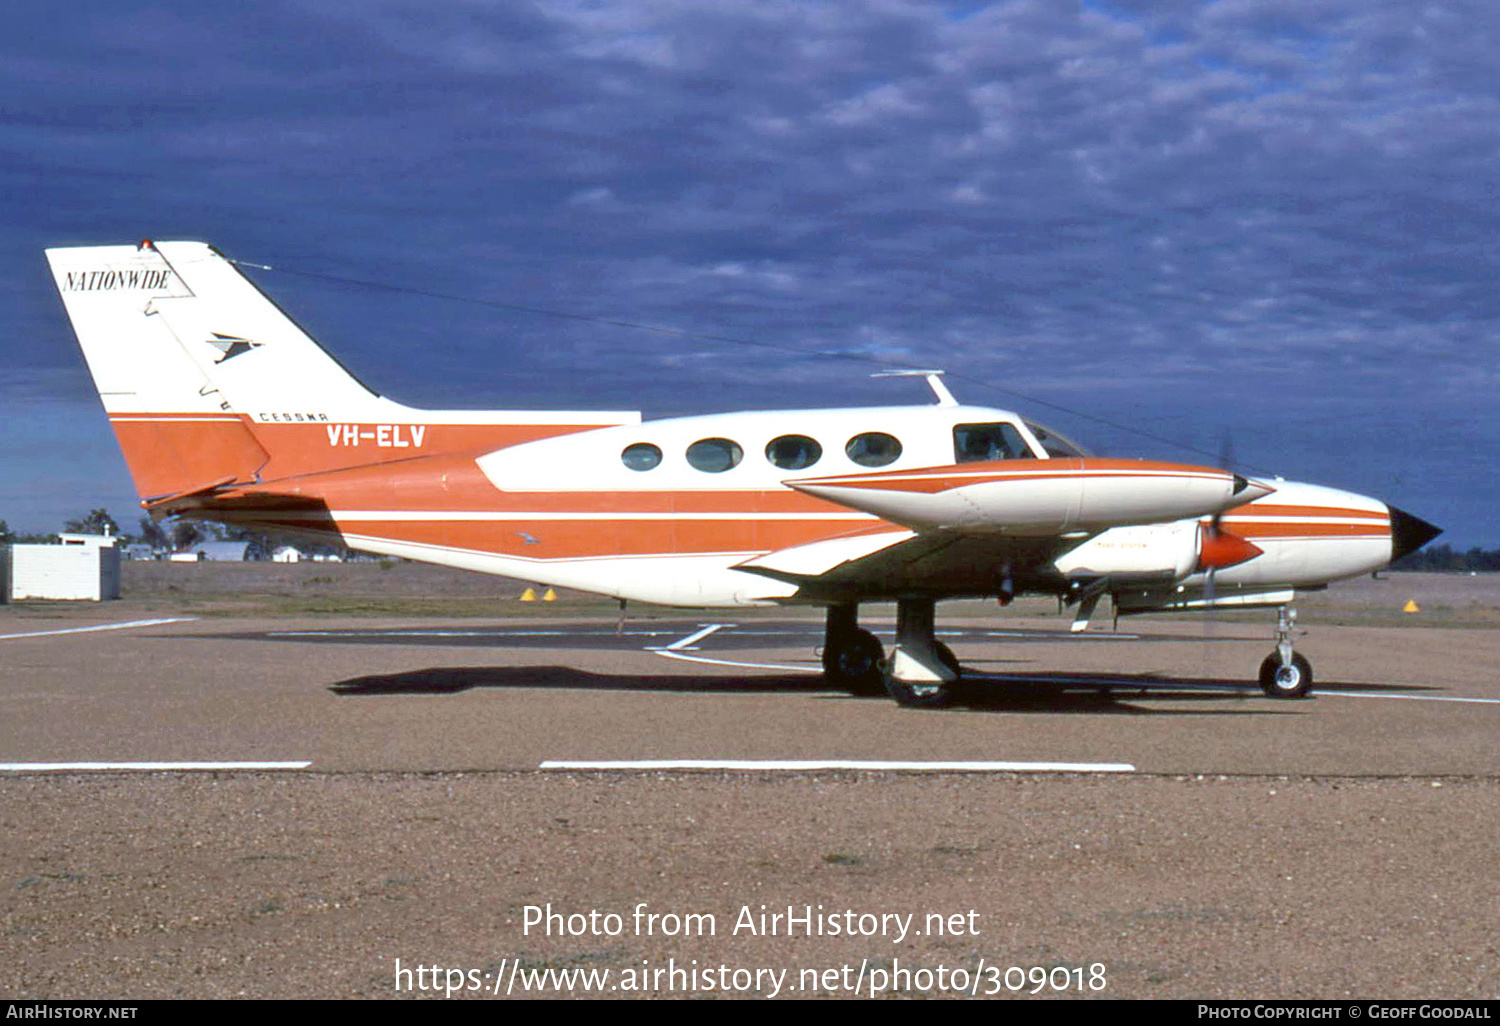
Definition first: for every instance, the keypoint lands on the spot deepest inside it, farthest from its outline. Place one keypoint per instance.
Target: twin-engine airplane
(228, 411)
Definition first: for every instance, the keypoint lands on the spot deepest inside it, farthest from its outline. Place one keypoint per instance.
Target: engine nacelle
(1144, 551)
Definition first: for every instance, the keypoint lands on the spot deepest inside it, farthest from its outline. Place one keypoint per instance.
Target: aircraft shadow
(1041, 693)
(636, 636)
(1023, 688)
(446, 680)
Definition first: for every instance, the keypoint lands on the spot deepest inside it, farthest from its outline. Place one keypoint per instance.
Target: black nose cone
(1409, 533)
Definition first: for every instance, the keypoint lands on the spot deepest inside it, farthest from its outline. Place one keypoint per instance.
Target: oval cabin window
(641, 456)
(793, 452)
(873, 449)
(714, 455)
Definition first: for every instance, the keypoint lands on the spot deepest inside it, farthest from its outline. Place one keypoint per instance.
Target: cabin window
(1057, 446)
(873, 449)
(641, 456)
(714, 455)
(975, 442)
(793, 452)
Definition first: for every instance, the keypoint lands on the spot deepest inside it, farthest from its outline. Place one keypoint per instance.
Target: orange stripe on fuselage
(1293, 522)
(941, 479)
(563, 539)
(1265, 509)
(457, 493)
(1291, 531)
(168, 451)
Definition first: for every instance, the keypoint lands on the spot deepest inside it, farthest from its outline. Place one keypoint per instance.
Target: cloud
(1221, 201)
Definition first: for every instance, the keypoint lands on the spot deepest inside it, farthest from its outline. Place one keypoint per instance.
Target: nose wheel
(1284, 673)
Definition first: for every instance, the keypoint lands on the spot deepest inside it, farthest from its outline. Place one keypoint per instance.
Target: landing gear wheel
(919, 694)
(855, 661)
(1279, 680)
(925, 694)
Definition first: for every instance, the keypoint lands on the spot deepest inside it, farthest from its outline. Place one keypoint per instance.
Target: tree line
(170, 535)
(1447, 558)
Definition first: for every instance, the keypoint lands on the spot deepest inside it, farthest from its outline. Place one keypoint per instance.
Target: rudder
(176, 430)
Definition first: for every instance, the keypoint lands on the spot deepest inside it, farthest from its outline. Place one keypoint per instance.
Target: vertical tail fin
(185, 352)
(177, 432)
(207, 382)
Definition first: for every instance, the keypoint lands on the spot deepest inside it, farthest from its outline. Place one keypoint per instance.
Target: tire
(949, 659)
(855, 662)
(1278, 681)
(933, 695)
(919, 696)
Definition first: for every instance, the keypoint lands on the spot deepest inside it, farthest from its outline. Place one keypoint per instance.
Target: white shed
(83, 566)
(220, 551)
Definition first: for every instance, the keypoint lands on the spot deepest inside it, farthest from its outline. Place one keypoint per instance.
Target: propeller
(1218, 548)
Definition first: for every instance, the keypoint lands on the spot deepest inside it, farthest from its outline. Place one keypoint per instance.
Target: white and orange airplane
(228, 411)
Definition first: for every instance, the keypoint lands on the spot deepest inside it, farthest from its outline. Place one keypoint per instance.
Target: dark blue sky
(1272, 220)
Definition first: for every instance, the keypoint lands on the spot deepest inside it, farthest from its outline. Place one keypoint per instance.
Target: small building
(82, 567)
(286, 554)
(222, 551)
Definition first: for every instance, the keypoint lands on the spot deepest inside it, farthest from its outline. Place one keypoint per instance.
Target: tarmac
(1208, 841)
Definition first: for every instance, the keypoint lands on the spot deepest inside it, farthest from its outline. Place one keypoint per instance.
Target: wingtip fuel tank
(1039, 497)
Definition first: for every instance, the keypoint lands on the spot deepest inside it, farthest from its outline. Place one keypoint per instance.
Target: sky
(1165, 228)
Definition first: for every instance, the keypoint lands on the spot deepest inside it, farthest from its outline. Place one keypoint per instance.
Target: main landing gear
(853, 659)
(1284, 673)
(921, 671)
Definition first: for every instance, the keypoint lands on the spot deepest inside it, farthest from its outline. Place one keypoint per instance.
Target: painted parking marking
(1410, 698)
(688, 641)
(100, 627)
(816, 765)
(436, 633)
(698, 635)
(145, 767)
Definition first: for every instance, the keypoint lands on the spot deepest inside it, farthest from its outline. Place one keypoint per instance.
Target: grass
(398, 590)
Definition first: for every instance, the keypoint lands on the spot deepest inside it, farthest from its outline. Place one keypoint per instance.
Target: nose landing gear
(1284, 673)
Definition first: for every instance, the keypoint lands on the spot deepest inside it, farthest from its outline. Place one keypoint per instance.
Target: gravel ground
(313, 886)
(1348, 852)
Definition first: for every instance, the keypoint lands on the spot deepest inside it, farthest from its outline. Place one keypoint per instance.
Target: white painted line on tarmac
(813, 765)
(101, 627)
(1408, 698)
(144, 767)
(509, 633)
(688, 641)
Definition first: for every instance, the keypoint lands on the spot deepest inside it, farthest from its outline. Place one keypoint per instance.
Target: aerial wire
(657, 329)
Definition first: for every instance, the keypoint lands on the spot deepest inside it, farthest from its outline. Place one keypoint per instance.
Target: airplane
(227, 410)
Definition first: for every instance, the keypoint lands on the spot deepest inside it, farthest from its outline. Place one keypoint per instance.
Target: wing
(983, 528)
(893, 563)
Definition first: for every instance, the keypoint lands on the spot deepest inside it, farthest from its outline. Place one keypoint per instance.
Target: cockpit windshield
(975, 442)
(1057, 446)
